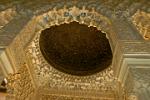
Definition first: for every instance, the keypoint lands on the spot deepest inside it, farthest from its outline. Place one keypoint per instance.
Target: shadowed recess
(75, 48)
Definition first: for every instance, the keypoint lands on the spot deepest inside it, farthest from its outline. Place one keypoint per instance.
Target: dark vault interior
(75, 48)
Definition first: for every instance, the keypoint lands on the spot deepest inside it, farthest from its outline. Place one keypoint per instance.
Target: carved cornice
(130, 49)
(131, 55)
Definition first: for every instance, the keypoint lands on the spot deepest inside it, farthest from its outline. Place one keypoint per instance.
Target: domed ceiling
(75, 48)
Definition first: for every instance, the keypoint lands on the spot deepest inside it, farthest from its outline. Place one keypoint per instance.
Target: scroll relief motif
(142, 22)
(6, 16)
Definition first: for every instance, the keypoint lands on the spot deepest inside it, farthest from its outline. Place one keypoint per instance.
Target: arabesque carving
(20, 86)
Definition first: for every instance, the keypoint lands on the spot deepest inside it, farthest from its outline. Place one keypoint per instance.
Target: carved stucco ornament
(48, 77)
(20, 85)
